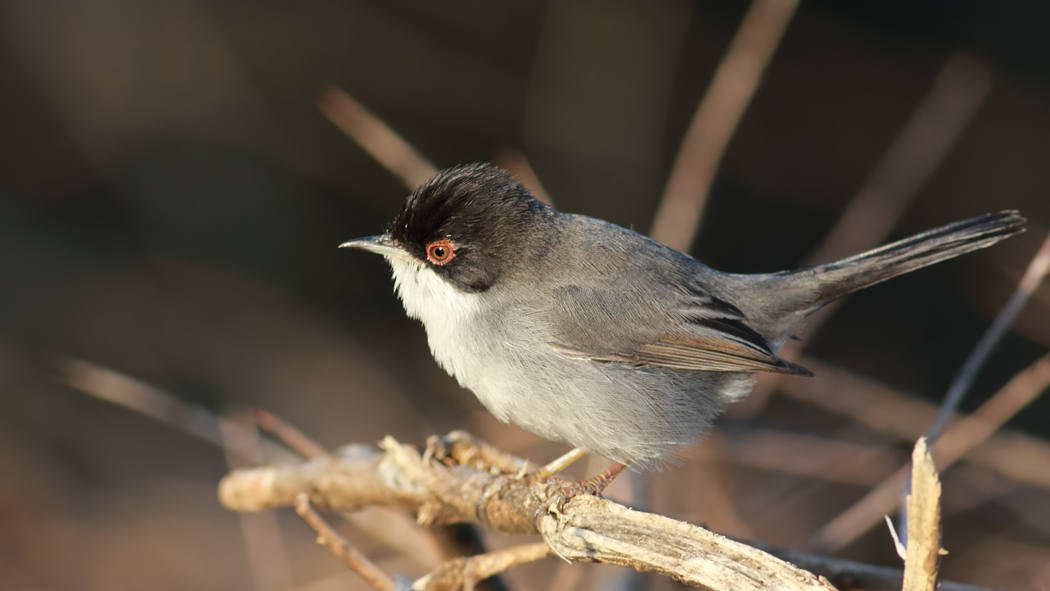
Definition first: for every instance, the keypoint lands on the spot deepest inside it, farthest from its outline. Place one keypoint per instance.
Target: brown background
(171, 199)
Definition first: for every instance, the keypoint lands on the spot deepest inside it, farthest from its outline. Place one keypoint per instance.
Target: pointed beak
(381, 244)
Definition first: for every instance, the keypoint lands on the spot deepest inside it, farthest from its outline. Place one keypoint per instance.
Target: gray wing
(641, 309)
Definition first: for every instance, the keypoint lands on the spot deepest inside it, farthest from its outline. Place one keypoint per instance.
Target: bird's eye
(440, 252)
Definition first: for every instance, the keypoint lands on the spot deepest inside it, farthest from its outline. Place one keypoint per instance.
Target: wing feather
(706, 354)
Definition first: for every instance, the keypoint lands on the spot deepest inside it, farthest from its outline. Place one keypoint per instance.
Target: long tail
(816, 286)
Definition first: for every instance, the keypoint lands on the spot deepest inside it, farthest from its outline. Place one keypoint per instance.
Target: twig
(1034, 275)
(807, 455)
(934, 127)
(514, 161)
(716, 118)
(461, 540)
(924, 523)
(463, 571)
(960, 438)
(376, 137)
(389, 527)
(847, 574)
(262, 534)
(341, 547)
(357, 476)
(135, 395)
(287, 434)
(587, 529)
(879, 407)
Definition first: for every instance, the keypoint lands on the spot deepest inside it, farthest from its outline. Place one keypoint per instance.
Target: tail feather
(839, 278)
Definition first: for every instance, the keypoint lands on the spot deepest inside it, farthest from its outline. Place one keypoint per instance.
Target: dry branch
(288, 434)
(1017, 456)
(930, 133)
(587, 529)
(960, 438)
(716, 118)
(261, 532)
(1038, 268)
(514, 161)
(461, 572)
(341, 548)
(847, 574)
(924, 523)
(376, 137)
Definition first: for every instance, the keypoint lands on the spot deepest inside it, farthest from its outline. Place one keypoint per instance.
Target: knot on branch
(461, 479)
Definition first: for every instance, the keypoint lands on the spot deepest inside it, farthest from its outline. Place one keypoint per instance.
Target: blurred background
(171, 196)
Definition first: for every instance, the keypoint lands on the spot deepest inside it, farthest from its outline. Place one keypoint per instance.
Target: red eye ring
(440, 252)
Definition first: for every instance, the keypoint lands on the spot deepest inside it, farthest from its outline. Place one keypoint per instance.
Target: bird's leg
(559, 493)
(544, 473)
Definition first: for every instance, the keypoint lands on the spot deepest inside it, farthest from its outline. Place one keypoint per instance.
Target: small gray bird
(584, 332)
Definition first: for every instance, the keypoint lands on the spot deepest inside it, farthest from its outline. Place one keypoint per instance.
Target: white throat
(446, 312)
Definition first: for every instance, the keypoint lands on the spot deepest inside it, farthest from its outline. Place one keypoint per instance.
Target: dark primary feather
(613, 315)
(848, 275)
(717, 321)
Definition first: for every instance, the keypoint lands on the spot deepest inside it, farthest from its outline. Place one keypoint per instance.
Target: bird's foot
(560, 492)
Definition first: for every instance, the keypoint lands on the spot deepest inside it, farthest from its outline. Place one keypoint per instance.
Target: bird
(588, 333)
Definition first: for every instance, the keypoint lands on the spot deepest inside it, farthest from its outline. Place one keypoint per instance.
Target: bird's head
(469, 225)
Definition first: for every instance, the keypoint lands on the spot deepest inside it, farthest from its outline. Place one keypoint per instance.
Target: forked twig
(587, 529)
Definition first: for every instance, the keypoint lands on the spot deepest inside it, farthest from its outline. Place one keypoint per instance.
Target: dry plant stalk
(966, 434)
(586, 529)
(716, 118)
(289, 435)
(463, 572)
(376, 137)
(932, 130)
(514, 161)
(924, 523)
(261, 532)
(1014, 455)
(959, 439)
(341, 548)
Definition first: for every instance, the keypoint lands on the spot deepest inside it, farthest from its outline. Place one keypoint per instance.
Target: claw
(559, 493)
